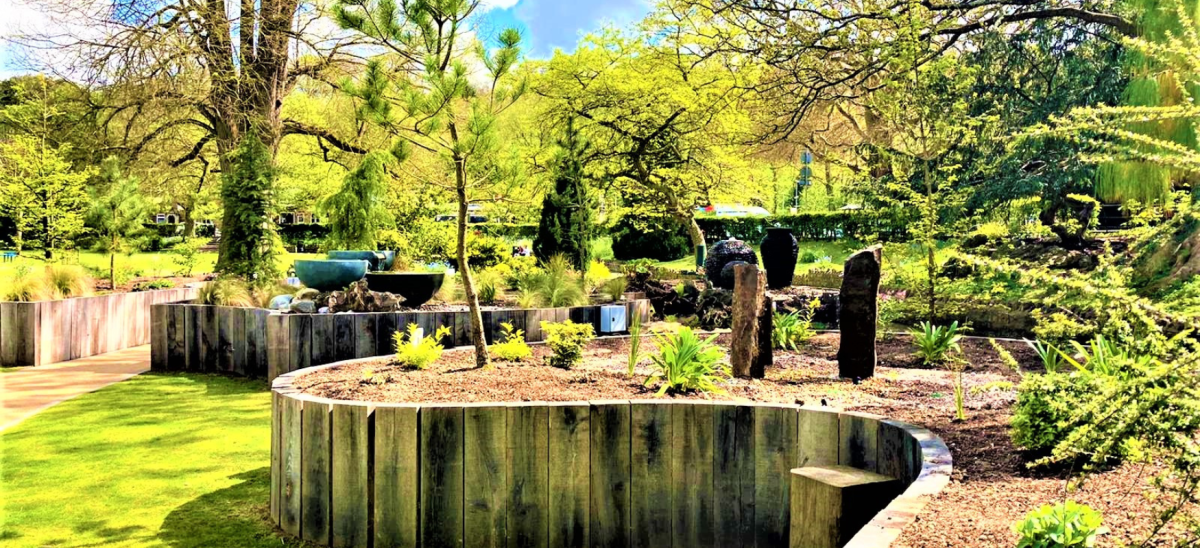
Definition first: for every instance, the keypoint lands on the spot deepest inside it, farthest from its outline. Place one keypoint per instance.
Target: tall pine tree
(568, 211)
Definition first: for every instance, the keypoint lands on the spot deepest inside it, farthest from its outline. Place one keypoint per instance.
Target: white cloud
(486, 5)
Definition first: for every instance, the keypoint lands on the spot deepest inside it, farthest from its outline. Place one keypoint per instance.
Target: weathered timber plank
(733, 476)
(818, 437)
(396, 476)
(351, 514)
(315, 473)
(775, 454)
(650, 485)
(484, 482)
(569, 458)
(528, 476)
(291, 445)
(692, 475)
(610, 458)
(441, 483)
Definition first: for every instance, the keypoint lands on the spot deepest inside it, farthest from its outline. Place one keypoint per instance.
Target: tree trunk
(189, 223)
(464, 268)
(49, 241)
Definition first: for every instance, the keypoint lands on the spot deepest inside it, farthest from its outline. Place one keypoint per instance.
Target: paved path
(29, 390)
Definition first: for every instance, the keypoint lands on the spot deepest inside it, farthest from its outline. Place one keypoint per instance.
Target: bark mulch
(991, 489)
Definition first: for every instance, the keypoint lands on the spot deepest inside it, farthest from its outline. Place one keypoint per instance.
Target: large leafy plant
(794, 329)
(935, 344)
(1064, 525)
(687, 363)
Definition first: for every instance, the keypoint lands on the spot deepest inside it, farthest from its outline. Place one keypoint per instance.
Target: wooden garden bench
(831, 503)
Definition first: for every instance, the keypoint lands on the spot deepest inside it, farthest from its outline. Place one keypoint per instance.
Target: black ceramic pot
(779, 250)
(416, 287)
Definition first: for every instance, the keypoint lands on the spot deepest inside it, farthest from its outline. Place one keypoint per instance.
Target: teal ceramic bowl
(376, 258)
(330, 275)
(389, 259)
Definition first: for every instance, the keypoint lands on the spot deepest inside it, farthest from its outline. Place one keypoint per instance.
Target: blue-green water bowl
(330, 275)
(376, 258)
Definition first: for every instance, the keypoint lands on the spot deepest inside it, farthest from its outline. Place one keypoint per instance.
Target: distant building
(298, 217)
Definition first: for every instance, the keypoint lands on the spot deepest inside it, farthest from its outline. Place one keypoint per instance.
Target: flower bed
(573, 473)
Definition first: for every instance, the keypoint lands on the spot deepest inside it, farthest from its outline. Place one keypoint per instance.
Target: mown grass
(155, 461)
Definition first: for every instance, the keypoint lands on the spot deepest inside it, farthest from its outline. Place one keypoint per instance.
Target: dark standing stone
(858, 313)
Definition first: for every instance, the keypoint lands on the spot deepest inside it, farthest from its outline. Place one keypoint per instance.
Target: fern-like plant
(687, 363)
(792, 330)
(227, 291)
(635, 341)
(66, 281)
(419, 354)
(558, 285)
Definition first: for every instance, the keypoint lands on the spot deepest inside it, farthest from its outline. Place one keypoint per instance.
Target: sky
(544, 24)
(549, 24)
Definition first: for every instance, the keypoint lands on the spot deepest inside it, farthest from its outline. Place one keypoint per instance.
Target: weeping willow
(1152, 85)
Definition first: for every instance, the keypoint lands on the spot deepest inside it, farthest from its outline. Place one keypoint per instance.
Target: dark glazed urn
(723, 253)
(779, 251)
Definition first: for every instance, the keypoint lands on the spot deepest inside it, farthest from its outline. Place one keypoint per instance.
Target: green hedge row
(832, 225)
(511, 231)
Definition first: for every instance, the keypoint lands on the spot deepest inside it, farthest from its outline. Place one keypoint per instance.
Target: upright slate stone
(858, 312)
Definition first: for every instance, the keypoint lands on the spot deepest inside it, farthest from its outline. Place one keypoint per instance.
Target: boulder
(302, 307)
(357, 298)
(721, 254)
(727, 277)
(280, 302)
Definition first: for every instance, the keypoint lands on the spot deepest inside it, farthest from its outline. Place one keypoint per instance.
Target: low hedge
(830, 225)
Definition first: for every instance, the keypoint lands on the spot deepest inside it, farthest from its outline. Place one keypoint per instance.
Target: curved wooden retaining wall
(255, 342)
(43, 332)
(654, 474)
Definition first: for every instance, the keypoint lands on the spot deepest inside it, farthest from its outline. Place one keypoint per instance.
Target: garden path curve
(29, 390)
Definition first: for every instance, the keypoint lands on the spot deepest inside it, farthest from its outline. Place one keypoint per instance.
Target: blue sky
(549, 24)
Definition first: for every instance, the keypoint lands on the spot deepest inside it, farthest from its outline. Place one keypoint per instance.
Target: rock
(723, 253)
(280, 302)
(749, 351)
(302, 307)
(726, 278)
(357, 298)
(859, 300)
(307, 294)
(956, 269)
(975, 240)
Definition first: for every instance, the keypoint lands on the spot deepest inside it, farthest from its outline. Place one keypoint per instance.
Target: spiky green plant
(66, 281)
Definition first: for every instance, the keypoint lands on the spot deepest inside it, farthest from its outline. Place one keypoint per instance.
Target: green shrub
(661, 238)
(597, 274)
(66, 281)
(1052, 358)
(226, 291)
(936, 344)
(27, 288)
(186, 255)
(1045, 404)
(1063, 525)
(635, 341)
(566, 341)
(151, 285)
(423, 353)
(615, 288)
(808, 257)
(557, 285)
(513, 348)
(686, 362)
(792, 330)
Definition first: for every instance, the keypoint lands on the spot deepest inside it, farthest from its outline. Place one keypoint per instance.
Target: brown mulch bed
(991, 488)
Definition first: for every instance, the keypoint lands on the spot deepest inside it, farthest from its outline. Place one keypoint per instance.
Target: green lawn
(158, 460)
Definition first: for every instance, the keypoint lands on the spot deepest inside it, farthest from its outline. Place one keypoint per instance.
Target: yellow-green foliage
(66, 281)
(566, 341)
(514, 348)
(226, 292)
(597, 274)
(992, 231)
(27, 289)
(423, 353)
